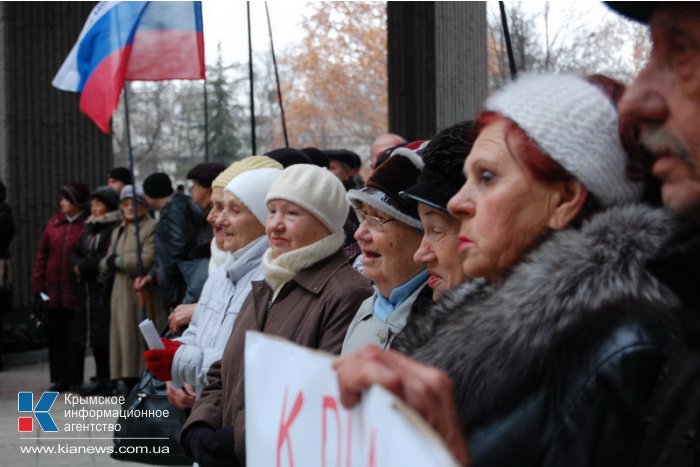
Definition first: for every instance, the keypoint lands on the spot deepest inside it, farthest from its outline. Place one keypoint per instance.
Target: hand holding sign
(426, 389)
(294, 415)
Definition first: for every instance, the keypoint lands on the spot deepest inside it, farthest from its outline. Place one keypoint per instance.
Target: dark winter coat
(555, 366)
(91, 320)
(175, 237)
(7, 229)
(7, 233)
(673, 435)
(52, 270)
(314, 309)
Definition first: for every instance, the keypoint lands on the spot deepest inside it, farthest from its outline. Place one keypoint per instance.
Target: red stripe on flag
(166, 54)
(102, 90)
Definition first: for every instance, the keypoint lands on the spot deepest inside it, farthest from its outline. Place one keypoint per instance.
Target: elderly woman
(182, 314)
(125, 342)
(309, 296)
(554, 348)
(52, 276)
(186, 360)
(388, 235)
(441, 179)
(91, 324)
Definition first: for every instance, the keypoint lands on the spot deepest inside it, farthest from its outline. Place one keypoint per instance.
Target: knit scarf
(280, 270)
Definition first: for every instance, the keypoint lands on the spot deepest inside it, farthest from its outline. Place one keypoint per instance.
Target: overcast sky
(225, 22)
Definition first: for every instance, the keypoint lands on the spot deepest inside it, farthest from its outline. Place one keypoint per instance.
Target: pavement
(30, 372)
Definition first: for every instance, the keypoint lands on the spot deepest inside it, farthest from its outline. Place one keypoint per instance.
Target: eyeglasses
(373, 222)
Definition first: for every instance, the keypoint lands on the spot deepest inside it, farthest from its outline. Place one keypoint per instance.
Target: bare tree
(614, 46)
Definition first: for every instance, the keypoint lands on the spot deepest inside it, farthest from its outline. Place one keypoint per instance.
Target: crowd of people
(525, 279)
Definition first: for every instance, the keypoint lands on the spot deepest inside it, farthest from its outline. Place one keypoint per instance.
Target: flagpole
(250, 75)
(206, 123)
(277, 78)
(139, 262)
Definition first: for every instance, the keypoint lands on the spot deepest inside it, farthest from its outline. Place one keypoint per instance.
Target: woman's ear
(570, 198)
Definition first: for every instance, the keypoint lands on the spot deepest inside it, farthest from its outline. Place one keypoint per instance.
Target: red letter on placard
(330, 403)
(286, 425)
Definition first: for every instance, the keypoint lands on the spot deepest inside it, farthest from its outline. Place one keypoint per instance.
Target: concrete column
(437, 65)
(45, 141)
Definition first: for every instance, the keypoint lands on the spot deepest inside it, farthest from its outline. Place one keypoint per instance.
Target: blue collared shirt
(383, 307)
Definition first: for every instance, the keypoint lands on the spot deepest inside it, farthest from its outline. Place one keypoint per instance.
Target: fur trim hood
(500, 342)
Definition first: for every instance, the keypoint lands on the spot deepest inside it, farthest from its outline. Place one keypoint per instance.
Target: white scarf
(280, 270)
(218, 256)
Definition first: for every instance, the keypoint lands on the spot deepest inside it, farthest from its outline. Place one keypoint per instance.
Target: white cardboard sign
(294, 416)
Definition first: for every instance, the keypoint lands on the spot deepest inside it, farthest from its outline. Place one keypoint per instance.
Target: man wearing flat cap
(663, 105)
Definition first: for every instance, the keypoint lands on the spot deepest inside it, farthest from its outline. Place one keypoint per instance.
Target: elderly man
(664, 104)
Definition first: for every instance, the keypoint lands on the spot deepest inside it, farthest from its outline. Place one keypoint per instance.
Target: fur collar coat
(555, 364)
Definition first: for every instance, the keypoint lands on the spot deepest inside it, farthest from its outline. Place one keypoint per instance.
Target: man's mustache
(658, 142)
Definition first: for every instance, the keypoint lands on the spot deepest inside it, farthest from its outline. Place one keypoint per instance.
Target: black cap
(289, 156)
(636, 11)
(317, 157)
(205, 173)
(122, 174)
(158, 185)
(344, 156)
(442, 175)
(108, 196)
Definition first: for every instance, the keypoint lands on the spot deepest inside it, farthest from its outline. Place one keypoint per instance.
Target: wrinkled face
(290, 227)
(115, 184)
(127, 207)
(664, 102)
(217, 206)
(387, 254)
(438, 250)
(239, 225)
(503, 209)
(68, 208)
(98, 208)
(200, 194)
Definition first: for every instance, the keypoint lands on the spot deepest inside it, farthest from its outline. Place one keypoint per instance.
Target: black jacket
(555, 365)
(673, 435)
(175, 237)
(91, 319)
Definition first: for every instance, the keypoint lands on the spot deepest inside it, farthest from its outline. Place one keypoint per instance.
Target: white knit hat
(251, 187)
(315, 189)
(576, 124)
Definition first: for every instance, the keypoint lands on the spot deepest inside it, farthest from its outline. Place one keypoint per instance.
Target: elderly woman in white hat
(309, 296)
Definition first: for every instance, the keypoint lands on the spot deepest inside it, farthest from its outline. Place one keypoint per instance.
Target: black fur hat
(442, 175)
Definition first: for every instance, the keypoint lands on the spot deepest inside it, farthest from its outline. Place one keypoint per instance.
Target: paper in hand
(151, 335)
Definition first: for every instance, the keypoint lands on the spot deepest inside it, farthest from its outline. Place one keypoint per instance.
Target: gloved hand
(210, 447)
(160, 362)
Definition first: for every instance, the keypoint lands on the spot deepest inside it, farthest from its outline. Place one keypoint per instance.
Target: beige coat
(126, 345)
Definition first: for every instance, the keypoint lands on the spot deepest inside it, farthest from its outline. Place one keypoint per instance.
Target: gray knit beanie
(576, 124)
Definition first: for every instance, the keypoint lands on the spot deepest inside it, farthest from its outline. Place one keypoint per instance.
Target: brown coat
(313, 309)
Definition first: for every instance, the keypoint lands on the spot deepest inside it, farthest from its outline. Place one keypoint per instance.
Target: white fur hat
(251, 187)
(315, 189)
(576, 124)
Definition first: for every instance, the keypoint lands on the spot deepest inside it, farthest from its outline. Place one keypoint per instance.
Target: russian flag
(148, 41)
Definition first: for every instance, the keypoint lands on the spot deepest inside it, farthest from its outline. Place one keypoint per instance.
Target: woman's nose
(424, 254)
